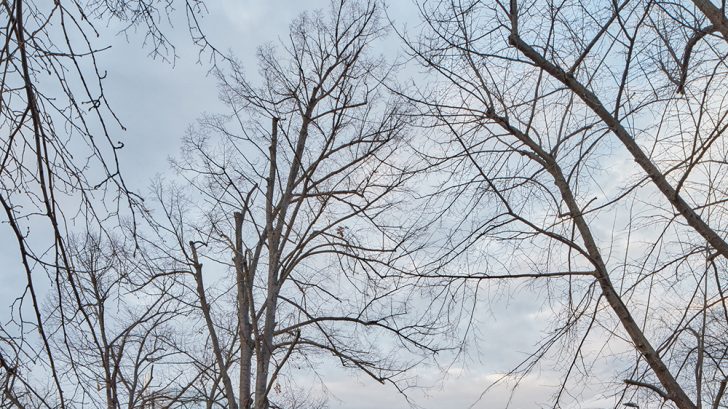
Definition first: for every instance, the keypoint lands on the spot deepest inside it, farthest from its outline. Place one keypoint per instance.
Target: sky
(156, 101)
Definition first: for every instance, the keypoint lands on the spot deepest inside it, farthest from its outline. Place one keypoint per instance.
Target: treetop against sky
(363, 203)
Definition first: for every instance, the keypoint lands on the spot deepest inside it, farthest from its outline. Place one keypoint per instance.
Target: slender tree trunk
(244, 330)
(674, 390)
(216, 349)
(266, 341)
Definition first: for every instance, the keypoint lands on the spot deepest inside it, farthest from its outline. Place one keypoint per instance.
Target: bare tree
(58, 154)
(295, 186)
(126, 354)
(583, 143)
(119, 347)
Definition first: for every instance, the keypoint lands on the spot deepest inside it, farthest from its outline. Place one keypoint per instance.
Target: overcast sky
(156, 101)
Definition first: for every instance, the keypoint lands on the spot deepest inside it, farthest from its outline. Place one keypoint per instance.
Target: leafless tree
(285, 225)
(58, 153)
(583, 143)
(118, 348)
(122, 346)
